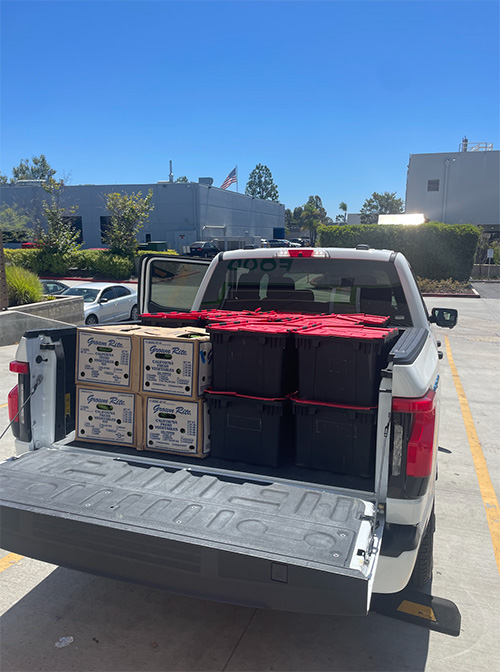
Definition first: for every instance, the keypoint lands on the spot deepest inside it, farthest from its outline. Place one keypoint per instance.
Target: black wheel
(91, 319)
(134, 313)
(422, 571)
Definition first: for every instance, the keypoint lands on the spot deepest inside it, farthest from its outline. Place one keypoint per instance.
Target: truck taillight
(19, 367)
(414, 426)
(13, 404)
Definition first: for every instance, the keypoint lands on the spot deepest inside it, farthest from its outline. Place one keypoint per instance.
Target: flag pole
(237, 178)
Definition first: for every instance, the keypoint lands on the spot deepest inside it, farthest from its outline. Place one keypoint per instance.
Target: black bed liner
(277, 545)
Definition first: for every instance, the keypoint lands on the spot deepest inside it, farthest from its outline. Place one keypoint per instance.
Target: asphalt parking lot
(117, 626)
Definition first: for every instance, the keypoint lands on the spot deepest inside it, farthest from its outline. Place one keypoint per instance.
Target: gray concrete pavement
(121, 627)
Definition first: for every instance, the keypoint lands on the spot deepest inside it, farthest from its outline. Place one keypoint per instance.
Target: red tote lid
(354, 333)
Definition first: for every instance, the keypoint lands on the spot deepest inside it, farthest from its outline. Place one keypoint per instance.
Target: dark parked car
(53, 287)
(203, 249)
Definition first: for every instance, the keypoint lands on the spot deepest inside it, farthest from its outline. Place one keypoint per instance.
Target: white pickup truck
(283, 537)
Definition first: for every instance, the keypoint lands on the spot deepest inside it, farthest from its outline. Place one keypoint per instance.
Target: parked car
(203, 249)
(281, 242)
(53, 287)
(105, 302)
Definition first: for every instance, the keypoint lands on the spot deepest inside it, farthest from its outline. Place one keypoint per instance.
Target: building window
(432, 185)
(77, 223)
(105, 222)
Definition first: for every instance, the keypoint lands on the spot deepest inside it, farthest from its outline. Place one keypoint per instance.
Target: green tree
(3, 179)
(380, 204)
(61, 235)
(261, 184)
(14, 224)
(313, 215)
(342, 219)
(182, 178)
(128, 212)
(37, 169)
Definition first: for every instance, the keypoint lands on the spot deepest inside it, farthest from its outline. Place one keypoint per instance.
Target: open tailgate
(263, 545)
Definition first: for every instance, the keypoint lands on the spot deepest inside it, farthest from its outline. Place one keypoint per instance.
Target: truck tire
(422, 572)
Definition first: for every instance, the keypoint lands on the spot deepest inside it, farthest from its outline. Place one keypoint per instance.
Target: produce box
(108, 356)
(108, 416)
(175, 362)
(176, 426)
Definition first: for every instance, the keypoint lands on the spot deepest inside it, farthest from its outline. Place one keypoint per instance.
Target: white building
(456, 187)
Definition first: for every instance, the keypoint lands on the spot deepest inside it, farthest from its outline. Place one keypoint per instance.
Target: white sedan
(105, 302)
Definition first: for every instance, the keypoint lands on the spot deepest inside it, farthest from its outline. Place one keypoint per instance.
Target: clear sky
(331, 96)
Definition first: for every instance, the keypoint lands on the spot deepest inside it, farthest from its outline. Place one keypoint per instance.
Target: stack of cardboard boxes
(142, 387)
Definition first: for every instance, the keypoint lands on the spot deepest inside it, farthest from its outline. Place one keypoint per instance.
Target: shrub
(23, 286)
(448, 286)
(25, 258)
(49, 263)
(112, 266)
(436, 251)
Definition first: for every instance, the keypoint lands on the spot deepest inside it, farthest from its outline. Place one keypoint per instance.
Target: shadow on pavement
(120, 627)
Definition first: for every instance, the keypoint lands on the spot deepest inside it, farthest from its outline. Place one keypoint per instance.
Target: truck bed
(286, 471)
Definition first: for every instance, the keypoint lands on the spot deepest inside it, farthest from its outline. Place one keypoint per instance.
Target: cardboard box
(108, 416)
(109, 356)
(176, 426)
(175, 362)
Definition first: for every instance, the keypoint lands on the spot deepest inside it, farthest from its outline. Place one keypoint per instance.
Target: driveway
(122, 627)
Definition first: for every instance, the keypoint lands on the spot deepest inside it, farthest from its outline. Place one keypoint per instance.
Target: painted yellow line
(485, 485)
(415, 609)
(9, 560)
(3, 405)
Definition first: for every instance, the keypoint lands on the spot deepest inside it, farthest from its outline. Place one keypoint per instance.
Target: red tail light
(13, 404)
(19, 367)
(419, 450)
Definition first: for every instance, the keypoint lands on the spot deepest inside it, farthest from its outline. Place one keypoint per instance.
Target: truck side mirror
(444, 317)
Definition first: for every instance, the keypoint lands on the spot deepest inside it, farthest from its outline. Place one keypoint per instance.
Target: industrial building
(184, 212)
(456, 187)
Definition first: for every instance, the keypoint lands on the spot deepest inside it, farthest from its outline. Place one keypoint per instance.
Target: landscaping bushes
(99, 263)
(23, 286)
(436, 251)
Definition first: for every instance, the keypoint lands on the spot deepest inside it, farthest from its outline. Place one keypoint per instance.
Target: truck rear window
(312, 285)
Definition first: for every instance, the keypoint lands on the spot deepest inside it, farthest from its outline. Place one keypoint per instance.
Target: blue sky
(332, 96)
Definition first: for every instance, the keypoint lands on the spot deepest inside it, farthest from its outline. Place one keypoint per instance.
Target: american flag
(230, 179)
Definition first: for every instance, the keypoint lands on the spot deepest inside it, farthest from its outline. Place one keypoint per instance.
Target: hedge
(98, 263)
(436, 251)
